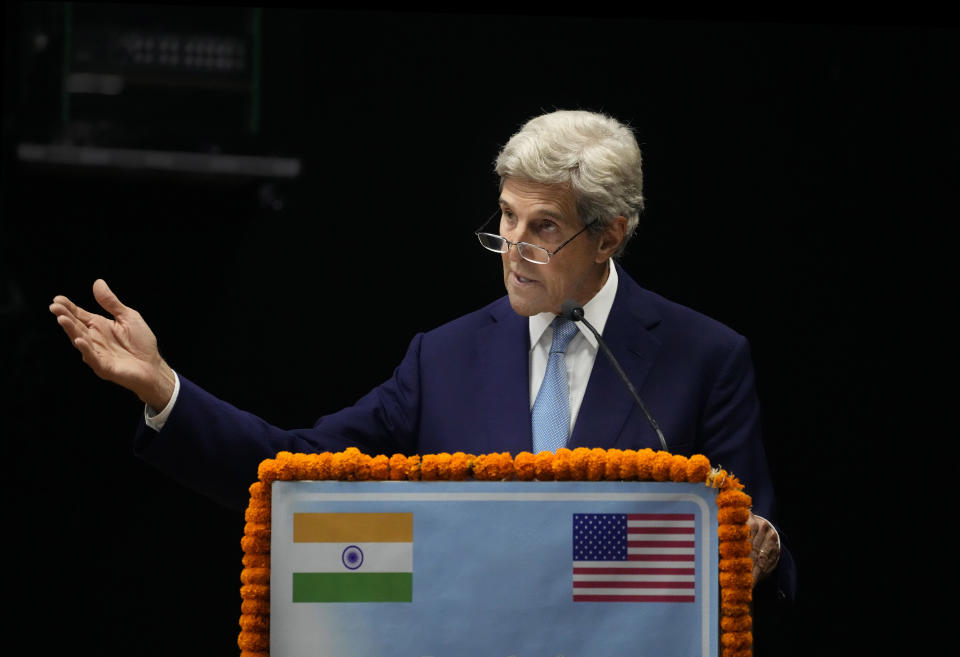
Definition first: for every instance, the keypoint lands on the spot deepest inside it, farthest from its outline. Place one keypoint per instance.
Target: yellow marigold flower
(398, 465)
(736, 564)
(429, 467)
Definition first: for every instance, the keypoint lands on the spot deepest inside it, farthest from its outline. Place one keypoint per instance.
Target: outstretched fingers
(107, 299)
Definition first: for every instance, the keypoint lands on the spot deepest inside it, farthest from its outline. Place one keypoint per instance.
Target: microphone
(574, 312)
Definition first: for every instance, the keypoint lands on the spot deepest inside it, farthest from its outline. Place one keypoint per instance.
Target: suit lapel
(607, 404)
(504, 397)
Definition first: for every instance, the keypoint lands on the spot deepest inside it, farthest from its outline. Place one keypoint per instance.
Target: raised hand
(122, 350)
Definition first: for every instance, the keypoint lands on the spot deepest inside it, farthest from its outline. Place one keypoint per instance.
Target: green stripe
(353, 587)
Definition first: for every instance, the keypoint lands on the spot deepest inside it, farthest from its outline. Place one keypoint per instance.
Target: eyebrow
(552, 213)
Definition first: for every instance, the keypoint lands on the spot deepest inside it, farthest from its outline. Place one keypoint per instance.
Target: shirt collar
(596, 311)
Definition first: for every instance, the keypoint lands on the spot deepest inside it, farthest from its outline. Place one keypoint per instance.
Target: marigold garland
(580, 464)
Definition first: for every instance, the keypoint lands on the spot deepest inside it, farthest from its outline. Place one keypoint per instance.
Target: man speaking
(516, 375)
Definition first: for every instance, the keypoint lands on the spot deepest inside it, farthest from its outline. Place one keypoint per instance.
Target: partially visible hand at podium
(122, 350)
(766, 547)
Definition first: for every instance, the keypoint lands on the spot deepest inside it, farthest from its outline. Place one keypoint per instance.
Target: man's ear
(612, 238)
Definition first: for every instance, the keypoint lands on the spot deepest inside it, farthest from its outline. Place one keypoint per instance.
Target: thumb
(106, 298)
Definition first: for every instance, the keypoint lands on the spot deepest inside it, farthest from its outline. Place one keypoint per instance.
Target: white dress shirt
(582, 350)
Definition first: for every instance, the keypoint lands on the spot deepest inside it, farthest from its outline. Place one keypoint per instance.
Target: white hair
(595, 154)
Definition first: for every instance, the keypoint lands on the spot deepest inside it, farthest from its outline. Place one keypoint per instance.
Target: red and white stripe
(659, 565)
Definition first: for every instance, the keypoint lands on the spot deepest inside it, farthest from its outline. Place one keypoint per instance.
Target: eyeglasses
(529, 252)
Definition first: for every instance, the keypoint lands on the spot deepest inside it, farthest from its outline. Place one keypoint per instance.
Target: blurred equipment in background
(174, 89)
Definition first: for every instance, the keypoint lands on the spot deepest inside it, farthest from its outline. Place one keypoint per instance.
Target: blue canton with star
(599, 537)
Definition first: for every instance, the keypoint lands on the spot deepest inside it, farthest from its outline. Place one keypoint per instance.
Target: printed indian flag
(352, 557)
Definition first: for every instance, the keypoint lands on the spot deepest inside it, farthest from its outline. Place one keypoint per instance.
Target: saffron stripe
(352, 527)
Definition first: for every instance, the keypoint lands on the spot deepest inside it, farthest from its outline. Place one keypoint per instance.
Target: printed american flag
(633, 557)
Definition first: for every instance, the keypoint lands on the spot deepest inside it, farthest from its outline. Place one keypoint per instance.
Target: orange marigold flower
(543, 464)
(733, 515)
(412, 468)
(255, 576)
(735, 549)
(734, 608)
(257, 512)
(578, 463)
(698, 467)
(398, 463)
(443, 466)
(678, 468)
(255, 545)
(255, 592)
(323, 466)
(628, 465)
(253, 640)
(257, 529)
(428, 467)
(260, 492)
(733, 497)
(525, 466)
(255, 607)
(596, 464)
(736, 640)
(256, 561)
(460, 464)
(612, 470)
(379, 468)
(267, 472)
(736, 565)
(645, 459)
(562, 464)
(737, 580)
(736, 623)
(736, 596)
(255, 623)
(254, 653)
(739, 532)
(661, 466)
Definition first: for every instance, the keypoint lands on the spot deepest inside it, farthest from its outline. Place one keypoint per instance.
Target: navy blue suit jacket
(465, 387)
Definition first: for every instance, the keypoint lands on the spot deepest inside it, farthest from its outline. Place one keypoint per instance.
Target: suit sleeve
(732, 438)
(215, 448)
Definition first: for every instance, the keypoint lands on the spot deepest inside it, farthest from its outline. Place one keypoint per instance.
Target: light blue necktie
(551, 410)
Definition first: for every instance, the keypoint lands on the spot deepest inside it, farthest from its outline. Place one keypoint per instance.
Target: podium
(583, 552)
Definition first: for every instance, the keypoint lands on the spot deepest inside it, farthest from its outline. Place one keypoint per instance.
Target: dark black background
(792, 166)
